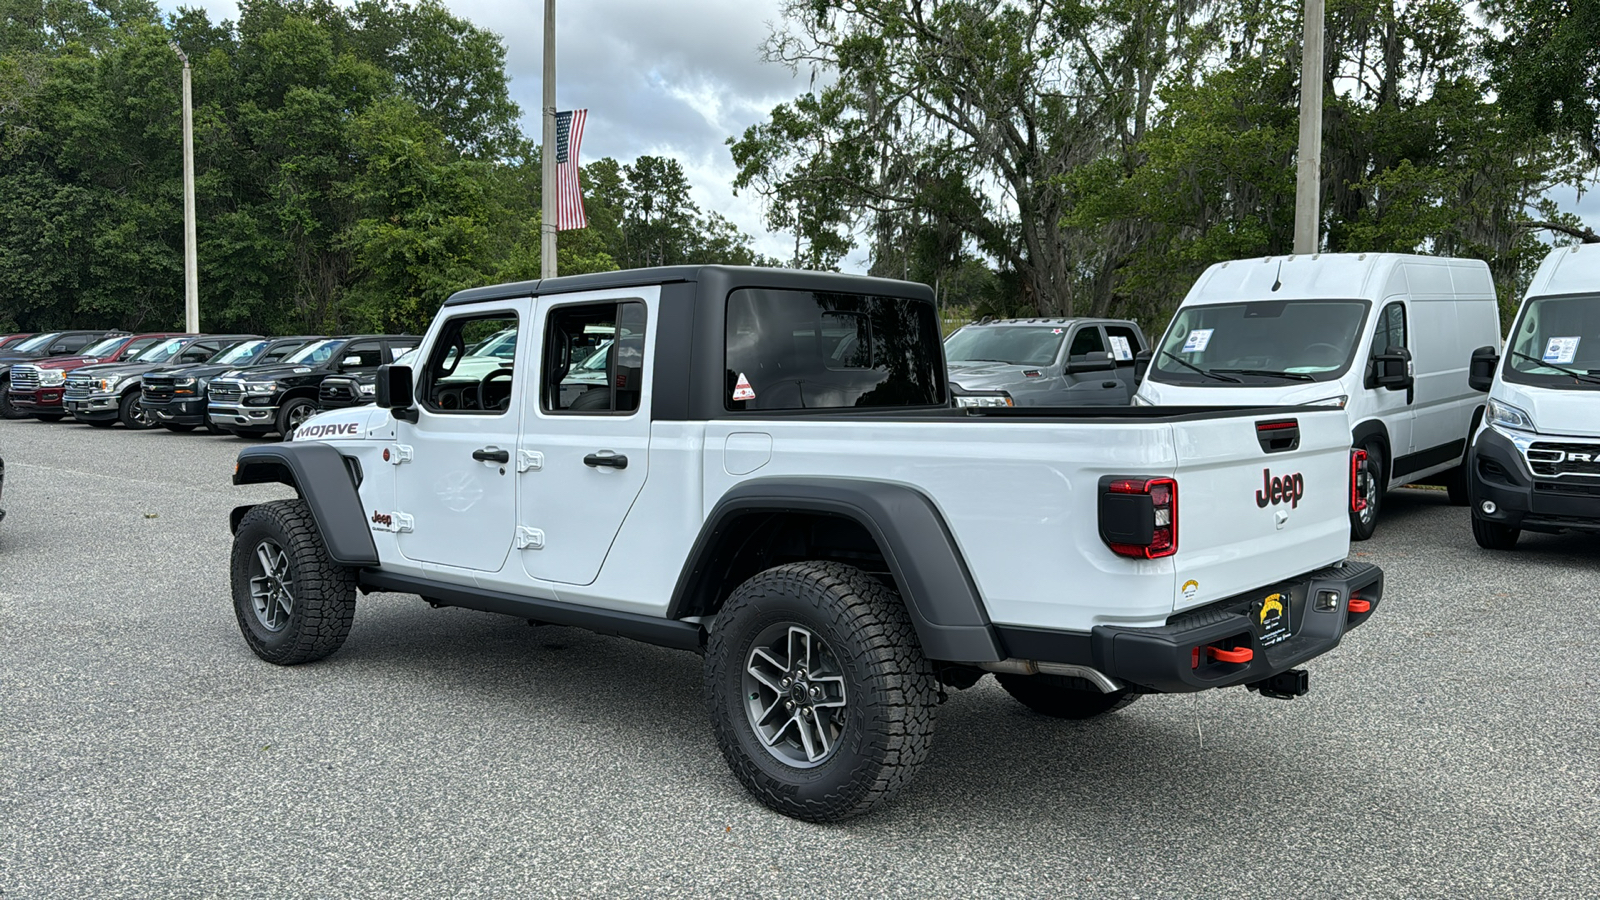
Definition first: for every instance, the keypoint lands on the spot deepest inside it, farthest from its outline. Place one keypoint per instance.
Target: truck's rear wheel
(819, 694)
(1061, 697)
(294, 604)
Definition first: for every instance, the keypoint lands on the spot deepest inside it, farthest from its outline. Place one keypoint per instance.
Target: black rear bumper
(1179, 657)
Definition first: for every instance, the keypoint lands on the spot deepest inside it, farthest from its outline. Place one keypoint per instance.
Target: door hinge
(529, 538)
(529, 459)
(397, 522)
(398, 454)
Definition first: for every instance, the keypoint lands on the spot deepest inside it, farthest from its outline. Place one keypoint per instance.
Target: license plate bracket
(1272, 617)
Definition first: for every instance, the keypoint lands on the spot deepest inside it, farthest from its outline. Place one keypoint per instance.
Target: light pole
(547, 155)
(191, 273)
(1308, 179)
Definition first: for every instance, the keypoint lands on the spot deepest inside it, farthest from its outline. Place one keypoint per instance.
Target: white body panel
(1450, 310)
(1556, 413)
(1020, 496)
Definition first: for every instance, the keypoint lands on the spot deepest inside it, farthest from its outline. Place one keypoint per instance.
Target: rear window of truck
(817, 350)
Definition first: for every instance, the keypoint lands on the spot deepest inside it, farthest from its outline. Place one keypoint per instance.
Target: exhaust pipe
(1105, 683)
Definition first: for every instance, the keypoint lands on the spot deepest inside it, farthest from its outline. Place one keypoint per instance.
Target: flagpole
(547, 154)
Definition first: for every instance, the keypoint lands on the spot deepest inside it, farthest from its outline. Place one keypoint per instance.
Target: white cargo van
(1535, 463)
(1386, 336)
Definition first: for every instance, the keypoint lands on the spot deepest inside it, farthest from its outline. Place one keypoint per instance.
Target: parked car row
(1404, 344)
(240, 383)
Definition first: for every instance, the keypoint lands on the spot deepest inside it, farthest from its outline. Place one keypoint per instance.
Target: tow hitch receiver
(1284, 685)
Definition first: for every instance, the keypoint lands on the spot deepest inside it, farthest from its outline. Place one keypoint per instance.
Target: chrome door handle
(613, 460)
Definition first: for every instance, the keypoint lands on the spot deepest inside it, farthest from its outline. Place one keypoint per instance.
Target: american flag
(569, 195)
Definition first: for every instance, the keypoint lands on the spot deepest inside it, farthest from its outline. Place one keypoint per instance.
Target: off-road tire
(290, 412)
(181, 429)
(128, 413)
(1494, 536)
(1362, 528)
(1060, 697)
(323, 592)
(7, 411)
(890, 691)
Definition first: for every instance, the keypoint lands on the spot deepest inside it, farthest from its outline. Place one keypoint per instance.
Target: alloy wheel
(271, 586)
(794, 695)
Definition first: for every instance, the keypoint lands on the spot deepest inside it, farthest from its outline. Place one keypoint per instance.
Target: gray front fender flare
(318, 473)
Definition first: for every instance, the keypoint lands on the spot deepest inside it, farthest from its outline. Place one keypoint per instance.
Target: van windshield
(1019, 345)
(1260, 342)
(1556, 340)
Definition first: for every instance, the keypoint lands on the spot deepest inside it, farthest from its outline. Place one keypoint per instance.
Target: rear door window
(1124, 342)
(818, 350)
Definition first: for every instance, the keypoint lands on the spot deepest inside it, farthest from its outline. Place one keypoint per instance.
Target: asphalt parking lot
(1447, 749)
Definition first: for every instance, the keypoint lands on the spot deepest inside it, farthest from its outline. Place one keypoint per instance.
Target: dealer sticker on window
(1120, 348)
(1561, 350)
(1198, 340)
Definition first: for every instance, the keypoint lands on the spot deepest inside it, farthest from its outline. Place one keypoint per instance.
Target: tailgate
(1251, 514)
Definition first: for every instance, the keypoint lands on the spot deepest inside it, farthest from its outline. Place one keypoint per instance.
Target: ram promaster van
(1385, 336)
(1535, 463)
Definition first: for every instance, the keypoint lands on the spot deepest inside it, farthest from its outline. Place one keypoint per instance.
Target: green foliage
(355, 165)
(1096, 155)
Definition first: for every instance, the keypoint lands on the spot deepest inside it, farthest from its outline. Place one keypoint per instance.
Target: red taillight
(1358, 472)
(1163, 494)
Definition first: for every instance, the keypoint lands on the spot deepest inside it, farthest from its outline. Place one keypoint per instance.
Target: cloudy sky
(665, 78)
(670, 79)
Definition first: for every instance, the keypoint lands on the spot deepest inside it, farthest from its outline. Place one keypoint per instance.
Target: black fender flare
(1374, 428)
(910, 532)
(318, 473)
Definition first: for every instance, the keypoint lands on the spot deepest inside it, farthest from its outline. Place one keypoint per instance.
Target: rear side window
(1124, 343)
(815, 350)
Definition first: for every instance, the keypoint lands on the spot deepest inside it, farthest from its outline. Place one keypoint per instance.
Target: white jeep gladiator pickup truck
(770, 472)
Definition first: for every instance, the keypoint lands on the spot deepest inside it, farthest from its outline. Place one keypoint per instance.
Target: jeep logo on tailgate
(1280, 489)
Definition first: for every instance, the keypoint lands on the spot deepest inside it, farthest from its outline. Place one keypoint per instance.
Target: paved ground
(1448, 749)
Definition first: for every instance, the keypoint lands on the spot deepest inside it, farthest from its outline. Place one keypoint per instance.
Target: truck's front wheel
(294, 604)
(819, 694)
(1062, 698)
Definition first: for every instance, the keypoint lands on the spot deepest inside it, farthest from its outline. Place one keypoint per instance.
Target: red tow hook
(1239, 655)
(1358, 605)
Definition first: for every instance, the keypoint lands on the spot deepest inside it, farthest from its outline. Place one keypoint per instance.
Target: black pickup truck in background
(278, 398)
(176, 395)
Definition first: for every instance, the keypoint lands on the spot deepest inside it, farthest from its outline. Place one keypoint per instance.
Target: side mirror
(1480, 372)
(1392, 370)
(351, 362)
(1141, 364)
(1096, 361)
(393, 389)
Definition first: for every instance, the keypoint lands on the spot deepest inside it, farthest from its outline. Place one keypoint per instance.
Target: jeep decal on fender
(1280, 489)
(331, 430)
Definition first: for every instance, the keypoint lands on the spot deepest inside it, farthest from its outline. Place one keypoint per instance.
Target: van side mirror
(1093, 361)
(1141, 364)
(1392, 370)
(393, 389)
(1480, 372)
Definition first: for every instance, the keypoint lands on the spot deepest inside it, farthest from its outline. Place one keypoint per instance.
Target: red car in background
(7, 340)
(36, 386)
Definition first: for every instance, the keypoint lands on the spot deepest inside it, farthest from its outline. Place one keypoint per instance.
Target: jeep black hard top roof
(733, 276)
